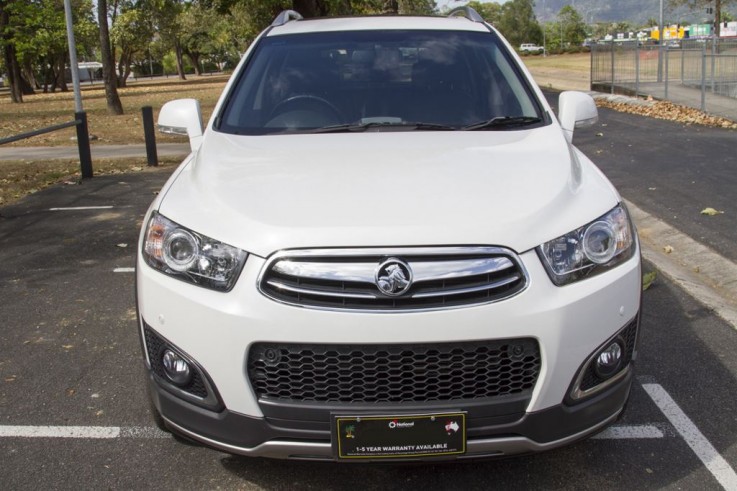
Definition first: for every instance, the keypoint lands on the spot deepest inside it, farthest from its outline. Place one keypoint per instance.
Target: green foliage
(490, 11)
(518, 23)
(133, 28)
(571, 26)
(38, 28)
(416, 7)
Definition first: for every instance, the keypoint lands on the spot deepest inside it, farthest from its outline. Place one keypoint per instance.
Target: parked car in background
(530, 48)
(385, 247)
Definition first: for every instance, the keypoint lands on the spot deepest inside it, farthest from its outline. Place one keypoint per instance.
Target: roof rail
(285, 16)
(466, 12)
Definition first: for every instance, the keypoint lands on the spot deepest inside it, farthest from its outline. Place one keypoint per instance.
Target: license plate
(405, 436)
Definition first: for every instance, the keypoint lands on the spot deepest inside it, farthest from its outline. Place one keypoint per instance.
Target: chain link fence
(699, 73)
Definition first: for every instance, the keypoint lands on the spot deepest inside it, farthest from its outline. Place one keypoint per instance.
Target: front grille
(347, 279)
(393, 373)
(629, 336)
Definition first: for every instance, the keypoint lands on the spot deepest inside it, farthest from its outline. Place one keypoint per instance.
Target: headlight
(189, 256)
(589, 250)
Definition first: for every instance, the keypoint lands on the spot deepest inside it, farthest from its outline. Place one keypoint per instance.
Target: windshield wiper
(502, 122)
(358, 127)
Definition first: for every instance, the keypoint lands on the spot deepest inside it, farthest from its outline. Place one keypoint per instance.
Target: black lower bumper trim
(238, 433)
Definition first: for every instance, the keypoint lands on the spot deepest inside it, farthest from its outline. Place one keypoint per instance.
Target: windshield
(379, 81)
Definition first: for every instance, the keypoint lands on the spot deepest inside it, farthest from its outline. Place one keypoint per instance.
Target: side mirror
(576, 110)
(182, 117)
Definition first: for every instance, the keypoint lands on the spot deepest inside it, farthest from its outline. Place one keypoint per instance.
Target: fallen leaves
(711, 212)
(648, 279)
(668, 111)
(668, 249)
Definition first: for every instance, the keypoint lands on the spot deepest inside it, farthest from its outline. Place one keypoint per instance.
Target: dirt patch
(21, 178)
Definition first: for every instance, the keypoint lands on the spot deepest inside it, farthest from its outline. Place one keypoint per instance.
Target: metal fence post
(667, 56)
(147, 113)
(703, 77)
(612, 49)
(637, 68)
(83, 143)
(713, 57)
(683, 59)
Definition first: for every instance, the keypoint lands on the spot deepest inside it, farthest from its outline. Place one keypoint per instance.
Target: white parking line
(60, 431)
(704, 450)
(81, 432)
(111, 432)
(636, 432)
(124, 270)
(77, 208)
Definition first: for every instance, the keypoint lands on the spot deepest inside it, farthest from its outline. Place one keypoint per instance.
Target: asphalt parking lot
(73, 408)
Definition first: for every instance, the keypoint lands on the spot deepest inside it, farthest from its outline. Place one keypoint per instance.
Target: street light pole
(74, 68)
(661, 41)
(545, 49)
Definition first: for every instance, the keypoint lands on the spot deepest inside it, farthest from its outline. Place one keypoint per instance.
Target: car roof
(372, 23)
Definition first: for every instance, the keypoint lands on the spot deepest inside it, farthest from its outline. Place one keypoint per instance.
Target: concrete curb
(702, 273)
(98, 151)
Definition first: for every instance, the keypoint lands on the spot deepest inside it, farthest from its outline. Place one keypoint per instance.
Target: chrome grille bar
(346, 279)
(473, 289)
(323, 293)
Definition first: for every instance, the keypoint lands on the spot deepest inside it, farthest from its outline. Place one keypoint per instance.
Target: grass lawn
(41, 110)
(563, 72)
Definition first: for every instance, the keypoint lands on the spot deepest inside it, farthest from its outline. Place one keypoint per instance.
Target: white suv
(530, 48)
(384, 246)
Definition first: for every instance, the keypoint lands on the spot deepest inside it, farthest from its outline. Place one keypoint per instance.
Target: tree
(490, 11)
(114, 105)
(131, 34)
(519, 24)
(166, 18)
(572, 26)
(34, 41)
(10, 58)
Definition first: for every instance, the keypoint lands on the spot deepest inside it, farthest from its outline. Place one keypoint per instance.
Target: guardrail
(83, 140)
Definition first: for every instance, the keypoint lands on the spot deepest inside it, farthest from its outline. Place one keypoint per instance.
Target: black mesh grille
(393, 373)
(155, 347)
(629, 336)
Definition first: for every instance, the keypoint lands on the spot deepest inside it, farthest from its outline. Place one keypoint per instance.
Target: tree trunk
(180, 60)
(123, 68)
(195, 58)
(114, 105)
(61, 72)
(28, 75)
(10, 58)
(717, 17)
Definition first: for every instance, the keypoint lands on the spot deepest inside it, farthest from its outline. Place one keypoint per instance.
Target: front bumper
(217, 330)
(258, 437)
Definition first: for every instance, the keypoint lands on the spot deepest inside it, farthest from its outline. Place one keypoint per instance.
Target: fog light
(176, 368)
(609, 361)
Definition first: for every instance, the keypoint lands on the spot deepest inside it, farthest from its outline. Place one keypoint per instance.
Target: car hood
(515, 189)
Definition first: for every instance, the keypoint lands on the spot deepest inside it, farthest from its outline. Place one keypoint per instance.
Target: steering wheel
(306, 102)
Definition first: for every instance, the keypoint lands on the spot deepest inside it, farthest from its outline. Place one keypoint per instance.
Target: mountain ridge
(633, 11)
